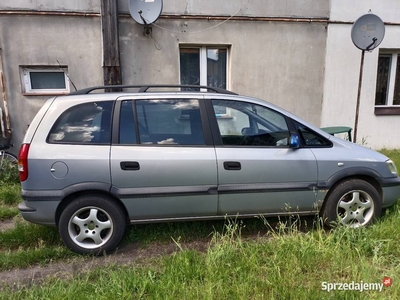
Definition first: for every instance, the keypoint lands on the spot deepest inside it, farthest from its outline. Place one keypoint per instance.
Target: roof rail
(144, 88)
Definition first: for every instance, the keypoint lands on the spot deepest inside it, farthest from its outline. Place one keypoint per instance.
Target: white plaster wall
(42, 41)
(351, 10)
(342, 68)
(52, 5)
(282, 63)
(271, 8)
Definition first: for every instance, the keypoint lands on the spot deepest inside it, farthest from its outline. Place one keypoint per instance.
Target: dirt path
(130, 254)
(6, 224)
(127, 255)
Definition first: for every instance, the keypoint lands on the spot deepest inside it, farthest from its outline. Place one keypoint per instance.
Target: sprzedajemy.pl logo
(356, 286)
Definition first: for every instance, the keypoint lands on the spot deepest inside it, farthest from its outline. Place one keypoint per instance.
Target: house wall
(342, 68)
(281, 62)
(46, 41)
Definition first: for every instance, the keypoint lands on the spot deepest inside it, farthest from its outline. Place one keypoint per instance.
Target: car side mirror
(294, 141)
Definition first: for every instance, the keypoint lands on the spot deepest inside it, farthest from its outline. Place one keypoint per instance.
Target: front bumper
(391, 191)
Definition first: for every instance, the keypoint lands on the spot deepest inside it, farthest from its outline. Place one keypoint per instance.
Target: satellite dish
(367, 32)
(145, 12)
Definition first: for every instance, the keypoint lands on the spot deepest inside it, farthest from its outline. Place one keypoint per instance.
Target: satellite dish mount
(145, 12)
(367, 33)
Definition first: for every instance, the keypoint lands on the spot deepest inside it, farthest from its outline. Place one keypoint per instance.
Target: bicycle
(7, 159)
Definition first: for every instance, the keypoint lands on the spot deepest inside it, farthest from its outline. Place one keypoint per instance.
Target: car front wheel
(92, 225)
(353, 203)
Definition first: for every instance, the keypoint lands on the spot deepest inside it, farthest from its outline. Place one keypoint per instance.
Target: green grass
(289, 265)
(10, 196)
(7, 212)
(286, 262)
(29, 244)
(184, 231)
(9, 172)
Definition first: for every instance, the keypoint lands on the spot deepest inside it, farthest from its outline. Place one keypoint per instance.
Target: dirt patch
(6, 224)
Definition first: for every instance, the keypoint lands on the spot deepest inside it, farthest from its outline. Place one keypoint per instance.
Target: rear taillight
(23, 162)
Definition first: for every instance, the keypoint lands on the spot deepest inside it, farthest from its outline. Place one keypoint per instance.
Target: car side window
(169, 122)
(251, 125)
(87, 123)
(310, 138)
(127, 132)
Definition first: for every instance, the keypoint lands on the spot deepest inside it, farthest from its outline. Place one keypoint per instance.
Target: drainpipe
(5, 130)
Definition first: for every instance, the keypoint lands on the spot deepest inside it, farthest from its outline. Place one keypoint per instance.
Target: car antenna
(66, 73)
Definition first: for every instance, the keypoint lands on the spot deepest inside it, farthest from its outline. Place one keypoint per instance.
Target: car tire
(92, 224)
(353, 203)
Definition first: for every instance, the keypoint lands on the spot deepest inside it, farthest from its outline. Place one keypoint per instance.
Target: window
(388, 79)
(87, 123)
(169, 122)
(204, 66)
(44, 80)
(251, 125)
(310, 138)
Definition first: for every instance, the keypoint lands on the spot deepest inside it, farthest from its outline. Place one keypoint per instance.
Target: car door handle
(130, 165)
(232, 165)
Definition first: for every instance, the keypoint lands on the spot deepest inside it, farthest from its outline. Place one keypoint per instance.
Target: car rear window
(87, 123)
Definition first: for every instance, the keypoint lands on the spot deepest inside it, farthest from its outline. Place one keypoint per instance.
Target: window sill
(387, 110)
(46, 94)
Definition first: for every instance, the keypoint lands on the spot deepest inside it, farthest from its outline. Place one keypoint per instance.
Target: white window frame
(203, 66)
(392, 76)
(27, 85)
(203, 61)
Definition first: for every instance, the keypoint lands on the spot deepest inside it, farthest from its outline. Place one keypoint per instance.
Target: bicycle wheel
(8, 157)
(8, 167)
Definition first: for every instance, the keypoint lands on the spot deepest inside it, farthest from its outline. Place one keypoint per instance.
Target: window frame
(204, 69)
(26, 83)
(389, 108)
(208, 139)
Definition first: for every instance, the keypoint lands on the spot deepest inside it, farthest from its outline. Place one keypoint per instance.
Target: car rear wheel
(92, 225)
(353, 203)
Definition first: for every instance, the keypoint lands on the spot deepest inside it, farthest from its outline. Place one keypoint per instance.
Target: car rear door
(163, 164)
(257, 170)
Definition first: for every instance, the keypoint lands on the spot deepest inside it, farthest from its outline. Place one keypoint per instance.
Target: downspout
(5, 129)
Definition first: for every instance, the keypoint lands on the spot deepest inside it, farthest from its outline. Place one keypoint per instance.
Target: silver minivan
(92, 163)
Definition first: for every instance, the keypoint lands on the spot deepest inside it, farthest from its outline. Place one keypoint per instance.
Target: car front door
(163, 164)
(257, 170)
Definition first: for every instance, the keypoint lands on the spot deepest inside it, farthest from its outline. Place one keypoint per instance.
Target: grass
(9, 172)
(10, 190)
(289, 265)
(286, 262)
(29, 244)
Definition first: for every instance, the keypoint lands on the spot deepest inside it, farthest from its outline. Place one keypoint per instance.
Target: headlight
(391, 166)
